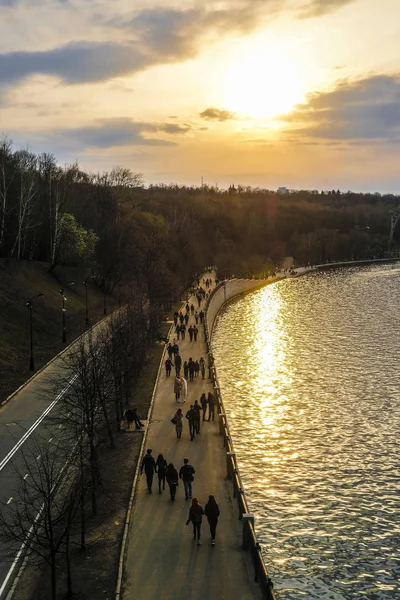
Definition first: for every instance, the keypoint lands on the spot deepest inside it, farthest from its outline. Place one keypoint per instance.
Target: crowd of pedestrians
(168, 473)
(188, 371)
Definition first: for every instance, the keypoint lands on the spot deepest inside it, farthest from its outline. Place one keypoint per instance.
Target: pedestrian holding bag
(173, 421)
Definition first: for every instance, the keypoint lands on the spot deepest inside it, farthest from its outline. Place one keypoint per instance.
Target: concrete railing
(224, 292)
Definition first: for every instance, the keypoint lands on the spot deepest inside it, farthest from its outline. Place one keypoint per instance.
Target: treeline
(159, 236)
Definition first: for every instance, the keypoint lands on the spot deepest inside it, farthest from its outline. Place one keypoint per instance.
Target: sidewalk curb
(63, 351)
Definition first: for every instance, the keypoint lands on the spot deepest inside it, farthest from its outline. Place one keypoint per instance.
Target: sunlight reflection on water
(309, 371)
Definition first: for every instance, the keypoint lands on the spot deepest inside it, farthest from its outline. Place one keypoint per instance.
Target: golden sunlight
(263, 82)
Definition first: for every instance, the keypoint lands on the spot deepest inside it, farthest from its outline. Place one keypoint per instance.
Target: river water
(309, 370)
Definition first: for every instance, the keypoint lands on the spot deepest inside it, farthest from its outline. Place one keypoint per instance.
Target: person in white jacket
(183, 389)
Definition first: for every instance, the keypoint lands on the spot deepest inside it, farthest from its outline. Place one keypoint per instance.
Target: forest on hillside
(157, 237)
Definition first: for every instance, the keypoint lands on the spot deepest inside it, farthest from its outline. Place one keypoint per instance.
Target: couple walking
(196, 512)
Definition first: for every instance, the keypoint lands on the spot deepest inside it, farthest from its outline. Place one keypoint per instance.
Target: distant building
(282, 190)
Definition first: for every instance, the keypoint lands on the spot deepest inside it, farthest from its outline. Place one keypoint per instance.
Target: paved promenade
(162, 561)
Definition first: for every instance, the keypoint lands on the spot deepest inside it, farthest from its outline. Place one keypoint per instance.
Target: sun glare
(262, 82)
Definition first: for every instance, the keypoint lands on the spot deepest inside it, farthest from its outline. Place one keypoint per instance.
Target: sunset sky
(295, 93)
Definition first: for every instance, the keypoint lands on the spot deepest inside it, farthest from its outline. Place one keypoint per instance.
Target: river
(309, 370)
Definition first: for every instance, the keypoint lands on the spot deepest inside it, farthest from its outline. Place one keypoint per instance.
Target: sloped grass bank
(19, 282)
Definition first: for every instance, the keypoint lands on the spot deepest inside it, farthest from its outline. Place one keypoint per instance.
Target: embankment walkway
(161, 559)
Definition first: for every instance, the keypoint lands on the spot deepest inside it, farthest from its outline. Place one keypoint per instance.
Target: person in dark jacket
(161, 469)
(168, 365)
(191, 417)
(211, 406)
(195, 516)
(177, 388)
(186, 473)
(212, 513)
(197, 409)
(203, 402)
(172, 480)
(192, 367)
(149, 467)
(178, 364)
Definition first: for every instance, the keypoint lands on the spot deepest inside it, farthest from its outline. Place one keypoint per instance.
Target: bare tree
(6, 179)
(27, 190)
(41, 517)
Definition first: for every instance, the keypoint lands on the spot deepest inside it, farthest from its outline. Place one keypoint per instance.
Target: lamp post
(30, 306)
(64, 333)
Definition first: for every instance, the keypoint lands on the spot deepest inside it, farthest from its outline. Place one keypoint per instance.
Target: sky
(297, 93)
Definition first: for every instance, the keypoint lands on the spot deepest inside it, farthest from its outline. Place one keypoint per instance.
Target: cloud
(318, 8)
(108, 133)
(74, 63)
(134, 43)
(367, 109)
(217, 114)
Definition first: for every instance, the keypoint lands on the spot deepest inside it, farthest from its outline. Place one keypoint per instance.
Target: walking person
(195, 333)
(177, 421)
(197, 410)
(202, 364)
(186, 473)
(186, 370)
(196, 368)
(178, 364)
(196, 317)
(161, 470)
(177, 388)
(168, 366)
(211, 406)
(178, 331)
(183, 331)
(203, 402)
(195, 517)
(201, 315)
(149, 467)
(211, 510)
(172, 480)
(191, 366)
(190, 331)
(191, 417)
(183, 389)
(210, 364)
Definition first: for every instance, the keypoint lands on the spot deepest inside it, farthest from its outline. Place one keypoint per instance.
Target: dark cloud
(368, 109)
(172, 128)
(217, 114)
(317, 8)
(74, 63)
(155, 37)
(107, 133)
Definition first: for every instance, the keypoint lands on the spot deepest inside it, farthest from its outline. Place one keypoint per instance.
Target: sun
(262, 82)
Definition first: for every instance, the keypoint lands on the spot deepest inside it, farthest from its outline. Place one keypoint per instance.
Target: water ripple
(309, 371)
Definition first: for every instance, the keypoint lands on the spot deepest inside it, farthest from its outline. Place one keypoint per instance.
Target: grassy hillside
(19, 282)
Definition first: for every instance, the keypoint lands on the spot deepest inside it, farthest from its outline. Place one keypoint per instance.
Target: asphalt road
(29, 415)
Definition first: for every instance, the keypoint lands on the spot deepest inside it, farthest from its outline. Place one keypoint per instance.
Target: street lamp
(30, 306)
(64, 334)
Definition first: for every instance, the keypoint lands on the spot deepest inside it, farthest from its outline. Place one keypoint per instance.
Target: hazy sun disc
(263, 83)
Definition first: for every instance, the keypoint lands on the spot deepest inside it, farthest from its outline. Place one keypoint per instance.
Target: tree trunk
(68, 561)
(53, 567)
